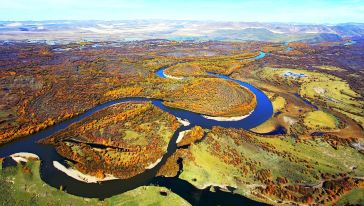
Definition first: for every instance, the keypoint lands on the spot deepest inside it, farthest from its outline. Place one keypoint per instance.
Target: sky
(288, 11)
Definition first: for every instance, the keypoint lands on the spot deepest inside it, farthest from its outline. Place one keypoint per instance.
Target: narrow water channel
(102, 190)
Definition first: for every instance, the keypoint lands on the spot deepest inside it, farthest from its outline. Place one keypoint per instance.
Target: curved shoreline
(23, 156)
(151, 166)
(161, 73)
(181, 135)
(77, 175)
(55, 177)
(172, 77)
(184, 122)
(227, 119)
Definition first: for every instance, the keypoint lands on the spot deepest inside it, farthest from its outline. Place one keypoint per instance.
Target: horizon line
(190, 20)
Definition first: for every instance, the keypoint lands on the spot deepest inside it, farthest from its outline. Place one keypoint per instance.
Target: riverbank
(151, 166)
(184, 122)
(72, 180)
(172, 77)
(23, 156)
(228, 118)
(224, 187)
(80, 176)
(181, 135)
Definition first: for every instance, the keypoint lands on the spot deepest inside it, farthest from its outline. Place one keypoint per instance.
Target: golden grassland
(28, 91)
(185, 70)
(279, 103)
(191, 136)
(320, 120)
(295, 168)
(132, 136)
(208, 96)
(266, 127)
(216, 64)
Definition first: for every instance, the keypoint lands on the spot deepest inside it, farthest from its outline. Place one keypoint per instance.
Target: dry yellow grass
(320, 120)
(278, 103)
(331, 90)
(266, 127)
(329, 68)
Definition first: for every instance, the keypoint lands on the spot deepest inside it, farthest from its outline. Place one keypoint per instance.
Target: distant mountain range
(71, 31)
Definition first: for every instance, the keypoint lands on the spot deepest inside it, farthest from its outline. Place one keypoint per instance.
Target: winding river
(102, 190)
